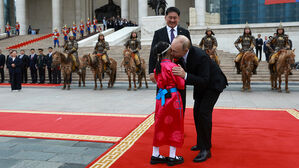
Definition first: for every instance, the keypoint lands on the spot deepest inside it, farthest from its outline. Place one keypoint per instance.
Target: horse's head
(127, 57)
(290, 57)
(247, 63)
(86, 60)
(56, 58)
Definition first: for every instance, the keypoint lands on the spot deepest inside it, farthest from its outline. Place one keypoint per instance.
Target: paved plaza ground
(24, 152)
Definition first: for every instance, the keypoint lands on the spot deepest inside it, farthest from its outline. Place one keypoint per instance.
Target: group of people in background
(18, 65)
(117, 23)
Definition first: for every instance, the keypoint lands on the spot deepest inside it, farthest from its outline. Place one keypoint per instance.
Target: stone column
(78, 12)
(21, 16)
(124, 9)
(170, 3)
(200, 7)
(142, 10)
(56, 14)
(2, 24)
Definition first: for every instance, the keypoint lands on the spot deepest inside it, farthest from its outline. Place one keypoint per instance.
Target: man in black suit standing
(208, 81)
(49, 64)
(259, 46)
(25, 64)
(7, 58)
(32, 65)
(14, 65)
(41, 65)
(2, 63)
(167, 34)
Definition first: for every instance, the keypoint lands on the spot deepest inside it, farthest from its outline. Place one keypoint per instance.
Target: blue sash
(162, 92)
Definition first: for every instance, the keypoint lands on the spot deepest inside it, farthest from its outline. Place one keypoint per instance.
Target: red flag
(269, 2)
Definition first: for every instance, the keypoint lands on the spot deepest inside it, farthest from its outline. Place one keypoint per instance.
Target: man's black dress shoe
(175, 161)
(202, 156)
(195, 148)
(156, 160)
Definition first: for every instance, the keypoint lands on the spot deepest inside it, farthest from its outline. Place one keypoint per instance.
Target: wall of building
(40, 15)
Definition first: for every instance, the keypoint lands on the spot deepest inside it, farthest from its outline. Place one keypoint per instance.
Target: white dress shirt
(175, 32)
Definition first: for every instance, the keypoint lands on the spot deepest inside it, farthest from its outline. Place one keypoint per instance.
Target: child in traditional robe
(169, 117)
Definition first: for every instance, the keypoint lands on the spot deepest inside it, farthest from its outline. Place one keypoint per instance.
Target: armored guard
(278, 42)
(101, 49)
(71, 47)
(247, 42)
(134, 45)
(209, 44)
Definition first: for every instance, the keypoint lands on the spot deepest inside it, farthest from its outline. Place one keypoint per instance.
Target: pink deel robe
(169, 118)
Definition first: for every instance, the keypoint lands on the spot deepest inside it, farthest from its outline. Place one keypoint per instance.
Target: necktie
(171, 35)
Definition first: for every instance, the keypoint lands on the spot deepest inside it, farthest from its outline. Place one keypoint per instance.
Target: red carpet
(241, 139)
(33, 85)
(30, 42)
(84, 124)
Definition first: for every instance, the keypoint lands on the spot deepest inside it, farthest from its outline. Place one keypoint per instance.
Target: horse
(97, 67)
(213, 56)
(130, 68)
(247, 66)
(282, 66)
(66, 62)
(156, 5)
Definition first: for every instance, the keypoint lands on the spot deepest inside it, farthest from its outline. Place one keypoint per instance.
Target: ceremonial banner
(270, 2)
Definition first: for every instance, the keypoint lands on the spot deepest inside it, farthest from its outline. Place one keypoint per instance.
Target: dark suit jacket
(162, 35)
(49, 60)
(41, 61)
(2, 60)
(259, 42)
(17, 68)
(32, 61)
(203, 73)
(25, 61)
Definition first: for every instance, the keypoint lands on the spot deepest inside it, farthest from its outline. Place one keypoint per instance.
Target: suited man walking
(25, 64)
(167, 34)
(32, 65)
(2, 63)
(208, 81)
(259, 46)
(49, 64)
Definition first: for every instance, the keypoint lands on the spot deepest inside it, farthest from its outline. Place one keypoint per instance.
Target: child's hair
(159, 51)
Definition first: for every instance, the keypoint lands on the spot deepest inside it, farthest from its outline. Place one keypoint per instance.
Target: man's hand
(152, 77)
(179, 71)
(13, 65)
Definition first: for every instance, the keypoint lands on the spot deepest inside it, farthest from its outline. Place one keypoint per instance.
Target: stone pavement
(31, 153)
(119, 100)
(41, 153)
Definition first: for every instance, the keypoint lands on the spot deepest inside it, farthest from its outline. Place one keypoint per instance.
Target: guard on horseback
(101, 49)
(71, 48)
(209, 44)
(248, 43)
(134, 45)
(279, 42)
